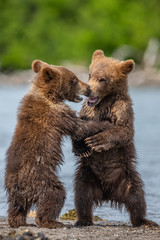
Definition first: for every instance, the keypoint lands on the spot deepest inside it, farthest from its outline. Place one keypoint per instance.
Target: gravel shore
(101, 230)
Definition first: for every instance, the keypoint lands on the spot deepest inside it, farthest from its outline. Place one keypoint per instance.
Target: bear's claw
(86, 154)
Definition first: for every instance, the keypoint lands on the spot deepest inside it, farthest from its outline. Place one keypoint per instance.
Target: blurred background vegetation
(59, 30)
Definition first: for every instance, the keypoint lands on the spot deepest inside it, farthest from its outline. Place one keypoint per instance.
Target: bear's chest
(99, 113)
(104, 111)
(106, 114)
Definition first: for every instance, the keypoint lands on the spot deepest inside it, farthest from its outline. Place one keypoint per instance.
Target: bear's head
(58, 83)
(107, 76)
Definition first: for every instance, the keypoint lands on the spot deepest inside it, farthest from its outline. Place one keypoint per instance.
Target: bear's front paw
(97, 143)
(80, 148)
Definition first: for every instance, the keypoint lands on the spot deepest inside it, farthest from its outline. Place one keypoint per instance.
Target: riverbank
(140, 77)
(101, 230)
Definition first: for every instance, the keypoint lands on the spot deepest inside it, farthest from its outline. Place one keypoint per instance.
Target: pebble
(24, 235)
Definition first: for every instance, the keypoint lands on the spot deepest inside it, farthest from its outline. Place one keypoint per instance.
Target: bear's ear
(37, 65)
(50, 74)
(127, 66)
(97, 54)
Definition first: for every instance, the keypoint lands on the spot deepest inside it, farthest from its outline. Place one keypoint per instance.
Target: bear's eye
(102, 80)
(73, 81)
(89, 75)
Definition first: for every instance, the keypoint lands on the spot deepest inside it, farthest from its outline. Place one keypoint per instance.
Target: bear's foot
(50, 224)
(147, 224)
(83, 223)
(17, 221)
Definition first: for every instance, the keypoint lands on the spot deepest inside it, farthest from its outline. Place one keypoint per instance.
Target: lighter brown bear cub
(35, 150)
(109, 173)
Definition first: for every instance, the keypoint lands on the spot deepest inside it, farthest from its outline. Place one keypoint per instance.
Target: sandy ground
(101, 230)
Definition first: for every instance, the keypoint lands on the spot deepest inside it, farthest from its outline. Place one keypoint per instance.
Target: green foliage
(57, 30)
(71, 215)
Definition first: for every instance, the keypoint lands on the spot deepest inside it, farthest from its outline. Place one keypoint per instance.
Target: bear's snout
(84, 89)
(88, 91)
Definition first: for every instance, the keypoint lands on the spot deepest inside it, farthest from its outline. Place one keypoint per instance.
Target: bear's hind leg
(49, 206)
(87, 192)
(136, 205)
(17, 214)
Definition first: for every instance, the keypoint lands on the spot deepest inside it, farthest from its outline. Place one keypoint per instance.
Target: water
(147, 139)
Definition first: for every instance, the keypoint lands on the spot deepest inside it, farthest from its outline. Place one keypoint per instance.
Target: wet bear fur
(108, 173)
(35, 151)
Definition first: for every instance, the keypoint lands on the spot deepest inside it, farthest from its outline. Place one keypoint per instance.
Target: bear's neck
(48, 97)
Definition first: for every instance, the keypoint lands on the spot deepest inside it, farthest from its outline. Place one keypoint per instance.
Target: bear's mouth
(92, 101)
(78, 99)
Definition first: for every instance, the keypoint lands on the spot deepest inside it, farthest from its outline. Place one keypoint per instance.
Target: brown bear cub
(109, 173)
(35, 150)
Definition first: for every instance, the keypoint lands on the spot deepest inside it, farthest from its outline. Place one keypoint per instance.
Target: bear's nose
(88, 90)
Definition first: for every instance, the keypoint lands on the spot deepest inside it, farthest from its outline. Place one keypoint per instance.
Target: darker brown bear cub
(109, 173)
(35, 150)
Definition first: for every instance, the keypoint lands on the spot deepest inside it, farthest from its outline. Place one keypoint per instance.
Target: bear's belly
(109, 165)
